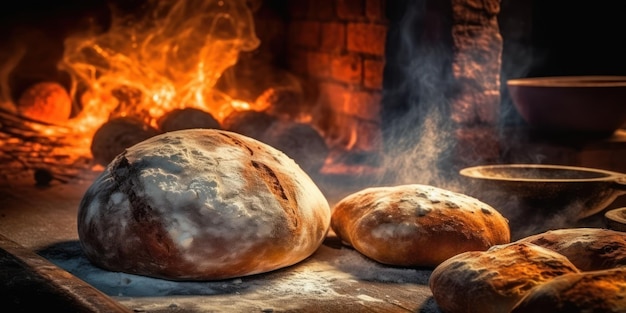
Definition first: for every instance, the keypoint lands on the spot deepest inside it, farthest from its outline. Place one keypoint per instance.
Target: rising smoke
(417, 129)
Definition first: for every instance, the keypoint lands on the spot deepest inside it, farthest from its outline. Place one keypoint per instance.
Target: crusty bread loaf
(589, 249)
(594, 291)
(493, 281)
(416, 225)
(201, 204)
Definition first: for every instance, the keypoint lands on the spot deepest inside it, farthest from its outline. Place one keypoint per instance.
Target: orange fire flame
(170, 58)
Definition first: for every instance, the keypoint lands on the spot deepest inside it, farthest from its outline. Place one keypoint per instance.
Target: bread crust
(589, 249)
(201, 204)
(416, 225)
(494, 280)
(593, 291)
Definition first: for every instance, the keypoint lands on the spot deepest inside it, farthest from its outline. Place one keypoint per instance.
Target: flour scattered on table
(70, 257)
(298, 283)
(331, 276)
(352, 262)
(279, 283)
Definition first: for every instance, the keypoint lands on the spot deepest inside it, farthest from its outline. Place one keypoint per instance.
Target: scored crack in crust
(201, 204)
(589, 249)
(416, 225)
(495, 280)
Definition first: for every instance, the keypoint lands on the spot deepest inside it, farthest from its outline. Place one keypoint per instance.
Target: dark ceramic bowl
(571, 104)
(549, 188)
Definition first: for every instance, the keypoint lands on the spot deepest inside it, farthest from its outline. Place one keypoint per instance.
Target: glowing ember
(47, 102)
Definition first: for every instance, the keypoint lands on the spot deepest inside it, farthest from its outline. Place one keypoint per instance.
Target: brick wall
(339, 46)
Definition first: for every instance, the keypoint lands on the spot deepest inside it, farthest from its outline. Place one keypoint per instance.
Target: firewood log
(249, 123)
(300, 141)
(114, 136)
(187, 118)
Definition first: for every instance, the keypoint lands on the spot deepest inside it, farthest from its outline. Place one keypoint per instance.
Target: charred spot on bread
(237, 142)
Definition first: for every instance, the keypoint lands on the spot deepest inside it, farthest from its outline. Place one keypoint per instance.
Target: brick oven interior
(399, 90)
(379, 70)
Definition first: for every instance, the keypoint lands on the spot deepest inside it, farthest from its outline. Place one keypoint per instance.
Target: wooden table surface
(42, 221)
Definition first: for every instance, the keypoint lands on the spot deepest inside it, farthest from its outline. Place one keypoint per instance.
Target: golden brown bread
(493, 281)
(201, 204)
(589, 249)
(594, 291)
(416, 225)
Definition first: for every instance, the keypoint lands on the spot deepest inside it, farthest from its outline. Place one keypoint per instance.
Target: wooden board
(335, 279)
(29, 281)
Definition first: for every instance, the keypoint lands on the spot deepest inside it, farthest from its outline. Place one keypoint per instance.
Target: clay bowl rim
(597, 188)
(580, 81)
(616, 216)
(478, 172)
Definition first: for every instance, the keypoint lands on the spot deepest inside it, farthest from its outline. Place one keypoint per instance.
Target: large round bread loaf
(416, 225)
(595, 291)
(589, 249)
(201, 204)
(493, 281)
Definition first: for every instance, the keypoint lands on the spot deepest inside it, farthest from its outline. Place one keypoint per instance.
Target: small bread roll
(416, 225)
(493, 281)
(595, 291)
(201, 204)
(589, 249)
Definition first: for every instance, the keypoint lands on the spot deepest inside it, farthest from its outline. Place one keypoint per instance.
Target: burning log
(187, 118)
(249, 123)
(114, 136)
(47, 102)
(299, 141)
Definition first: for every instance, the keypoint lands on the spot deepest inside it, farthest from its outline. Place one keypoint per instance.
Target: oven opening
(376, 91)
